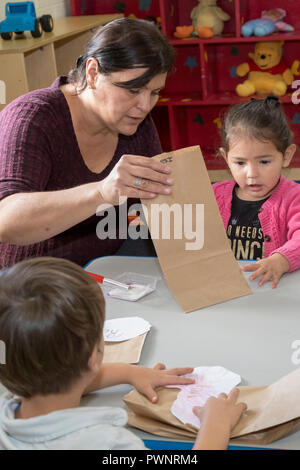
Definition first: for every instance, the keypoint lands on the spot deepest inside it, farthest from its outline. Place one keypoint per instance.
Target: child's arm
(218, 417)
(144, 379)
(286, 257)
(269, 269)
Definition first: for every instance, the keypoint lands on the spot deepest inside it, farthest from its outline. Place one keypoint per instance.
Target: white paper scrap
(121, 329)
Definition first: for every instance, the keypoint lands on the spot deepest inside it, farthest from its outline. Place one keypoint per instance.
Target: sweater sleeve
(291, 248)
(25, 162)
(219, 192)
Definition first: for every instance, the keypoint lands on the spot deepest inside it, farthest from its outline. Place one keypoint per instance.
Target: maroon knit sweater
(39, 152)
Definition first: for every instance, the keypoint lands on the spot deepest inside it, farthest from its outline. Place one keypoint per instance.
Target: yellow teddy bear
(267, 73)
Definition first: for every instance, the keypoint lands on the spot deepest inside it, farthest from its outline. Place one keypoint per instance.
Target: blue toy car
(20, 17)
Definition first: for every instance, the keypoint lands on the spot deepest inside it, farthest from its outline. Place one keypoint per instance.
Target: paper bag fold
(128, 351)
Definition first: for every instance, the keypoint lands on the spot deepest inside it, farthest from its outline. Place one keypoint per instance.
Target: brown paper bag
(128, 351)
(206, 275)
(273, 412)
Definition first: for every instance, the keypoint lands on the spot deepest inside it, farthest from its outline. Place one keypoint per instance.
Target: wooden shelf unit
(30, 63)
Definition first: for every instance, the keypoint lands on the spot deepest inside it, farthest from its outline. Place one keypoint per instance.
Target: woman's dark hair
(262, 119)
(122, 44)
(51, 318)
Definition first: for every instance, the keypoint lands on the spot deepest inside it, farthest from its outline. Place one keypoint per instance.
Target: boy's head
(51, 318)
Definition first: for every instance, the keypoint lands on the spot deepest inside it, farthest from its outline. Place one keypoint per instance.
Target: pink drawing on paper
(209, 381)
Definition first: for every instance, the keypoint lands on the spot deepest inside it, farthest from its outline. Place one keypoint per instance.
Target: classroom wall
(56, 8)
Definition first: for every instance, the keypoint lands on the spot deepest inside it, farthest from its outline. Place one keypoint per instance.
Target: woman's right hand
(135, 177)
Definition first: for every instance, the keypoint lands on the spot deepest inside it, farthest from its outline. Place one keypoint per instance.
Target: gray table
(251, 336)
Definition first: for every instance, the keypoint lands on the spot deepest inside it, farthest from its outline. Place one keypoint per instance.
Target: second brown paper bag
(197, 277)
(273, 412)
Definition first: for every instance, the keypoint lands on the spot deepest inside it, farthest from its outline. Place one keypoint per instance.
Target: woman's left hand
(269, 269)
(146, 380)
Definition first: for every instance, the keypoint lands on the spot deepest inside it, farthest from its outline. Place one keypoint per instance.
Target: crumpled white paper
(121, 329)
(209, 381)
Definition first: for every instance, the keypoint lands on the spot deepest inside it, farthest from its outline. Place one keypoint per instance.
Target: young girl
(260, 208)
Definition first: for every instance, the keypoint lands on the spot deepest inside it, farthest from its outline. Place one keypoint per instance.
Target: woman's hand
(218, 417)
(146, 380)
(269, 269)
(135, 177)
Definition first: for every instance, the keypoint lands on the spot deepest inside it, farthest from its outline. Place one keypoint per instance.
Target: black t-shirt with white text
(244, 229)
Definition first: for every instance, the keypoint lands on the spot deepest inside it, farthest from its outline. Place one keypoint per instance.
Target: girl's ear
(288, 155)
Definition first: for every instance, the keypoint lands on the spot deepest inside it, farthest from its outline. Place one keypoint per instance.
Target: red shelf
(215, 99)
(203, 86)
(231, 39)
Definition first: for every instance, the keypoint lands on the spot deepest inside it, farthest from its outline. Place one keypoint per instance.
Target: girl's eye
(265, 162)
(240, 163)
(155, 93)
(134, 92)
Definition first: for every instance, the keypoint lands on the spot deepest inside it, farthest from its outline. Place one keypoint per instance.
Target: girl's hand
(136, 177)
(146, 380)
(269, 269)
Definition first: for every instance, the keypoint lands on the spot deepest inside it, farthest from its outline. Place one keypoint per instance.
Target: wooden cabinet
(31, 63)
(203, 86)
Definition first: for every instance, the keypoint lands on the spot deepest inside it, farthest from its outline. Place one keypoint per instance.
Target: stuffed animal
(270, 22)
(267, 72)
(208, 18)
(208, 21)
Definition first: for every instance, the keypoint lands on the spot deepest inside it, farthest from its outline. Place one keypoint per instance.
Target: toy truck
(20, 17)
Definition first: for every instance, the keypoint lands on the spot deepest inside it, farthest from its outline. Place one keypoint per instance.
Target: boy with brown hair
(51, 321)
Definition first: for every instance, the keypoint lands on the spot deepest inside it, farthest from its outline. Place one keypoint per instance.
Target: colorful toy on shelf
(267, 72)
(183, 31)
(20, 17)
(207, 19)
(270, 22)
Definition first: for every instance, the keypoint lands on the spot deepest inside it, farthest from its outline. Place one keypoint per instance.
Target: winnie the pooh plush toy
(267, 73)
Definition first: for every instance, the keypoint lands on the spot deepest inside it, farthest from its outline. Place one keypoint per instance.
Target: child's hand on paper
(218, 417)
(269, 269)
(145, 380)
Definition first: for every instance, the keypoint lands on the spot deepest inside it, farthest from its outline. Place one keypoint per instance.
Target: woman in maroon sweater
(83, 142)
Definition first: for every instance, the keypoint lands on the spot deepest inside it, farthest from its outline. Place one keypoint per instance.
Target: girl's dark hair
(51, 318)
(122, 44)
(262, 119)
